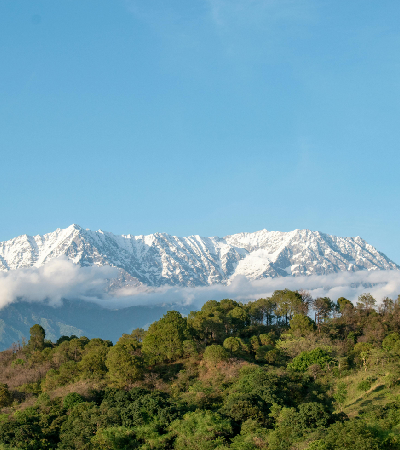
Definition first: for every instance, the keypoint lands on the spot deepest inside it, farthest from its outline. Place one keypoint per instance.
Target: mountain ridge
(162, 259)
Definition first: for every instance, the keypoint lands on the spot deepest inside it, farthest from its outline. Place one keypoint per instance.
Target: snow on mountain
(161, 259)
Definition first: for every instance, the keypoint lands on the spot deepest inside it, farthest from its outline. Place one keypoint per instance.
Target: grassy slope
(379, 394)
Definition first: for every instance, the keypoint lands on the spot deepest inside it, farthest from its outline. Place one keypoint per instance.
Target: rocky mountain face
(161, 259)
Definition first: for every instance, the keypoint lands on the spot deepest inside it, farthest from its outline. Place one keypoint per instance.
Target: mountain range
(161, 259)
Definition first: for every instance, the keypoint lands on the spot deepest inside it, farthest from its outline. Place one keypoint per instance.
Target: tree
(62, 339)
(124, 361)
(263, 353)
(211, 323)
(138, 334)
(93, 363)
(307, 299)
(68, 350)
(36, 341)
(289, 303)
(232, 344)
(366, 302)
(239, 319)
(262, 311)
(292, 424)
(266, 386)
(311, 415)
(323, 307)
(387, 305)
(344, 305)
(301, 325)
(164, 338)
(228, 305)
(241, 407)
(364, 385)
(189, 348)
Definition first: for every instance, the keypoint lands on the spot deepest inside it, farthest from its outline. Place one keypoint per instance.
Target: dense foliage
(261, 375)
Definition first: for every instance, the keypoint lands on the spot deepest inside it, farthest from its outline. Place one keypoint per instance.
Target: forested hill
(231, 376)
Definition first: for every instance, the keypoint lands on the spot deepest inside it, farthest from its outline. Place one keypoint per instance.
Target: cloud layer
(345, 284)
(60, 279)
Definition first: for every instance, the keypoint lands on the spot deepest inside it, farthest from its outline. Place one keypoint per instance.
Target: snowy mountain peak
(158, 259)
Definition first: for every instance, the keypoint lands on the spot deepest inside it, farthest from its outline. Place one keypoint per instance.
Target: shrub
(255, 343)
(252, 436)
(214, 354)
(202, 430)
(364, 385)
(306, 359)
(317, 445)
(17, 362)
(341, 393)
(391, 342)
(115, 438)
(5, 396)
(391, 380)
(353, 434)
(267, 339)
(262, 352)
(72, 399)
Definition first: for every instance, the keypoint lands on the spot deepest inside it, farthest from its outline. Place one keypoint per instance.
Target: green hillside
(260, 375)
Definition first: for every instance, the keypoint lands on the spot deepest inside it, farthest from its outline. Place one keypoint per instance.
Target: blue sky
(205, 117)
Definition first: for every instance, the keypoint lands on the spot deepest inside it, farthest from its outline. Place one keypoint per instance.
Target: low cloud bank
(345, 284)
(60, 278)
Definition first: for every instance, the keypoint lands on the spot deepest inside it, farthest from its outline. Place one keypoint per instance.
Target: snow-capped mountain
(161, 259)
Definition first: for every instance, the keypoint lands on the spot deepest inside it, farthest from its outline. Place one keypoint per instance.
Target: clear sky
(205, 117)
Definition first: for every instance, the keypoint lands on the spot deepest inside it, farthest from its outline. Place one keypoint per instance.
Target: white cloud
(344, 284)
(61, 278)
(58, 279)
